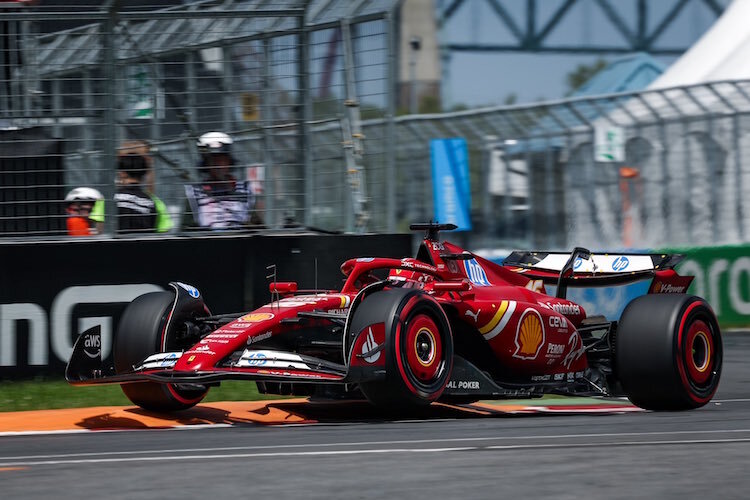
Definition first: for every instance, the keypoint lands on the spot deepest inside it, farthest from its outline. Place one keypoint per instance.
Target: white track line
(188, 427)
(291, 454)
(382, 443)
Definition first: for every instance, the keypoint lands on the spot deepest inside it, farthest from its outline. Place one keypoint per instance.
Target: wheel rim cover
(423, 348)
(699, 352)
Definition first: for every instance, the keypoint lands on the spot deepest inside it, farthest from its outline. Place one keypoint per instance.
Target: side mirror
(283, 287)
(451, 286)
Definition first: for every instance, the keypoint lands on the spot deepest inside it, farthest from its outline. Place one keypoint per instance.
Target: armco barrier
(50, 291)
(722, 276)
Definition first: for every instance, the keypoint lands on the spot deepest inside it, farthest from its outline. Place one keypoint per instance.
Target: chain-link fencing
(648, 169)
(307, 92)
(269, 74)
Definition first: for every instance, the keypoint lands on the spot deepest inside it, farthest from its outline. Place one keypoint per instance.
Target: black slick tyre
(668, 352)
(140, 333)
(418, 348)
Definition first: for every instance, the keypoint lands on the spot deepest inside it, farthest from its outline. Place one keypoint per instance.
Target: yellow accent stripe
(503, 322)
(495, 319)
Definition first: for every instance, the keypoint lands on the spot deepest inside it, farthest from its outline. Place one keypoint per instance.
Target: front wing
(86, 367)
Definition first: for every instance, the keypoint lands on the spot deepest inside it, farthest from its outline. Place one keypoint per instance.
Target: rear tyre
(418, 348)
(141, 332)
(668, 352)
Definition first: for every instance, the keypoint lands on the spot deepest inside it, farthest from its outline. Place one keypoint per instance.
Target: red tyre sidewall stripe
(397, 337)
(173, 391)
(170, 387)
(396, 340)
(681, 358)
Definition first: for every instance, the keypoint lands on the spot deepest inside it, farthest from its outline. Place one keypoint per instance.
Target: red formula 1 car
(445, 325)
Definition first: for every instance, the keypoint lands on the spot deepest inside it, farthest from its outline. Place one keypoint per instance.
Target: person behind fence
(79, 205)
(220, 201)
(138, 209)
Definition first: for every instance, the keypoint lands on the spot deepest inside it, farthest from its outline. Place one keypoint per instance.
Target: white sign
(508, 177)
(142, 97)
(609, 144)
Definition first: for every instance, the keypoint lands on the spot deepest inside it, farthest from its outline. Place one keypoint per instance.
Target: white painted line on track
(617, 443)
(233, 455)
(320, 453)
(188, 427)
(383, 443)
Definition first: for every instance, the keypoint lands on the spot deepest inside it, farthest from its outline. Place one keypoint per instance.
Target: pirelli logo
(499, 320)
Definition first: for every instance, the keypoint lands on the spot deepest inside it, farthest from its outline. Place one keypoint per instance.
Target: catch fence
(307, 91)
(639, 170)
(267, 73)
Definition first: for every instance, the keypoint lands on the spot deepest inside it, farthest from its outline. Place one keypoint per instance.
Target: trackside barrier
(722, 276)
(51, 291)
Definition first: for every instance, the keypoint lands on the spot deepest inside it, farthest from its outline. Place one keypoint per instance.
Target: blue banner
(450, 182)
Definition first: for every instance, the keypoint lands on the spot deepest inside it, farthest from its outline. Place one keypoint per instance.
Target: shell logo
(256, 317)
(530, 335)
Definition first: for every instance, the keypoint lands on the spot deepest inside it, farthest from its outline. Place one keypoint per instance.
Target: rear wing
(583, 268)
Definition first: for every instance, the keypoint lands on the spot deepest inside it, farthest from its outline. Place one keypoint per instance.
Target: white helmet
(215, 143)
(83, 194)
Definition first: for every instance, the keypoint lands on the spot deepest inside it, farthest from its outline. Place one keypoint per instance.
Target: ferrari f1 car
(447, 325)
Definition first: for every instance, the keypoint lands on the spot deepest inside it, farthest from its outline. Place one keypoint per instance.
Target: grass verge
(45, 393)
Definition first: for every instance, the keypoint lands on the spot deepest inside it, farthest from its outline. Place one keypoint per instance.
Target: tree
(582, 74)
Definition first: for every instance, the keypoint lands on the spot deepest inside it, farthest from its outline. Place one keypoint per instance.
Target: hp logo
(620, 263)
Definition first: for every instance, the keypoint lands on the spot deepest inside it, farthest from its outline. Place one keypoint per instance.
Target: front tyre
(141, 333)
(418, 348)
(668, 352)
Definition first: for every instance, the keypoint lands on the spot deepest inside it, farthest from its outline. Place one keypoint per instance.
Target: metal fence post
(738, 177)
(109, 156)
(226, 84)
(267, 120)
(305, 116)
(390, 150)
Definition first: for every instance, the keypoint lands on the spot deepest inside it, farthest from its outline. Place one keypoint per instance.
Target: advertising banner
(450, 182)
(52, 291)
(722, 277)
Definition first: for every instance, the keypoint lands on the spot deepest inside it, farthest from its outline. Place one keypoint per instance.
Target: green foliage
(582, 74)
(430, 104)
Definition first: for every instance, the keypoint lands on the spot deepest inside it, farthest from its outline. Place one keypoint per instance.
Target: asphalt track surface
(615, 453)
